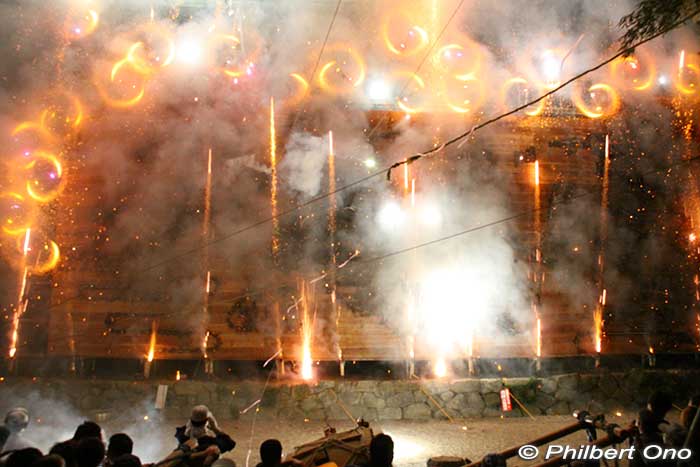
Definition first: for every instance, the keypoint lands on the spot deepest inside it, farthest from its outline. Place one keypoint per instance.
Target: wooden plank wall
(101, 323)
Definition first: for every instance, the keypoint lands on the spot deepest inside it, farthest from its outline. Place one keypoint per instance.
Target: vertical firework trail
(599, 310)
(22, 298)
(410, 196)
(537, 270)
(306, 331)
(275, 242)
(206, 225)
(332, 207)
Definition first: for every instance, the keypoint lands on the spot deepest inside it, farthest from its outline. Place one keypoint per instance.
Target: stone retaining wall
(372, 400)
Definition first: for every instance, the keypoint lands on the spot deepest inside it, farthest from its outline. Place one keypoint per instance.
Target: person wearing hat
(16, 421)
(203, 428)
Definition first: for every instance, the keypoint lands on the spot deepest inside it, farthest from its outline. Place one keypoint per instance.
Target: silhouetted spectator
(90, 452)
(126, 460)
(4, 436)
(87, 429)
(23, 457)
(203, 427)
(66, 450)
(52, 460)
(270, 453)
(119, 445)
(381, 451)
(17, 420)
(223, 463)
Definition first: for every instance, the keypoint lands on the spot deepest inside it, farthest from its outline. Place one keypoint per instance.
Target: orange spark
(306, 331)
(22, 301)
(152, 344)
(273, 181)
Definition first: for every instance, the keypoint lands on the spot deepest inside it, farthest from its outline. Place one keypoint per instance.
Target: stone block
(568, 382)
(372, 401)
(467, 385)
(418, 411)
(401, 399)
(492, 399)
(559, 408)
(548, 385)
(490, 385)
(390, 413)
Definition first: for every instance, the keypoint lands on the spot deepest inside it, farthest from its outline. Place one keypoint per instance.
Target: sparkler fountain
(22, 298)
(537, 271)
(598, 313)
(411, 305)
(332, 207)
(151, 351)
(275, 241)
(305, 302)
(208, 362)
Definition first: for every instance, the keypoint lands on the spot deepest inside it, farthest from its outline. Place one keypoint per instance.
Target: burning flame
(273, 181)
(598, 327)
(21, 300)
(537, 173)
(152, 344)
(440, 368)
(306, 332)
(539, 337)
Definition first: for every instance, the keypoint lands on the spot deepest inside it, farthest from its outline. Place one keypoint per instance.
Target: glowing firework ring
(402, 100)
(415, 31)
(32, 184)
(687, 89)
(44, 254)
(448, 52)
(534, 110)
(33, 127)
(598, 112)
(467, 105)
(116, 102)
(92, 20)
(135, 54)
(640, 59)
(50, 264)
(18, 203)
(246, 62)
(302, 88)
(71, 119)
(357, 81)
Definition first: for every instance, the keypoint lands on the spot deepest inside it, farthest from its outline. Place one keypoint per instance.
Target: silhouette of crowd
(201, 442)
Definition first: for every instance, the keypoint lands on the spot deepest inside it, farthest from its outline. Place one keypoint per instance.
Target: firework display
(213, 184)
